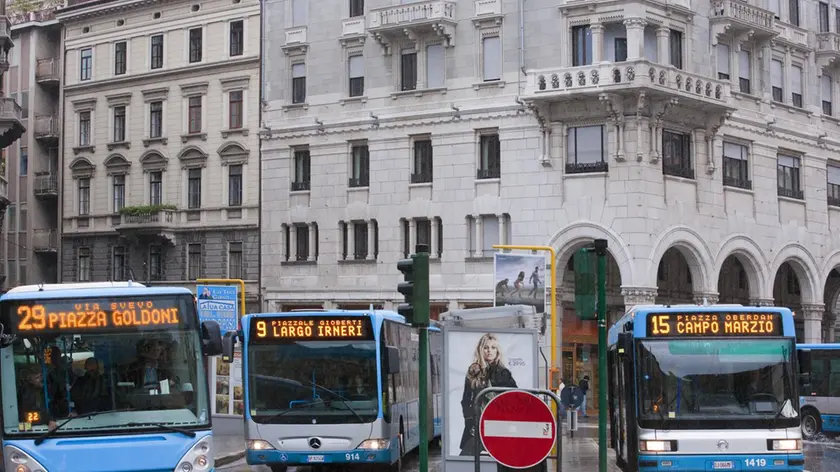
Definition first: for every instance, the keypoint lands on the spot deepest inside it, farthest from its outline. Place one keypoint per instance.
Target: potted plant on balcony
(145, 210)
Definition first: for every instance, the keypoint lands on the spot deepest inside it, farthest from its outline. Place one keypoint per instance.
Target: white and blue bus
(334, 388)
(821, 405)
(105, 377)
(699, 388)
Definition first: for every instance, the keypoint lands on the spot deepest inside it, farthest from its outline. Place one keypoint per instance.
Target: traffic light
(415, 287)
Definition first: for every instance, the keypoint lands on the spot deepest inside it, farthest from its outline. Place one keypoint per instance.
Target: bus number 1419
(755, 462)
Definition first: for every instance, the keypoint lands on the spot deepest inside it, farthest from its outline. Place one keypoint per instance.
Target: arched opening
(674, 279)
(787, 292)
(733, 282)
(580, 337)
(831, 297)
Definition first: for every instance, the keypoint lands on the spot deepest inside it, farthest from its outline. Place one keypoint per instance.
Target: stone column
(412, 235)
(479, 236)
(313, 241)
(788, 73)
(735, 65)
(812, 316)
(635, 38)
(711, 297)
(351, 241)
(766, 79)
(762, 302)
(597, 31)
(292, 242)
(433, 246)
(663, 36)
(371, 240)
(638, 296)
(502, 228)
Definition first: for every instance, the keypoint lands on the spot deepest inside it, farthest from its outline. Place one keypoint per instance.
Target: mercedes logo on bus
(314, 443)
(722, 445)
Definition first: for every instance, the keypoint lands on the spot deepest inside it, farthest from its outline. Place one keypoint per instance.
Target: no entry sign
(518, 429)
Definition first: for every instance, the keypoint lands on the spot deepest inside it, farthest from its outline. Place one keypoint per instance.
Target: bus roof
(378, 315)
(819, 347)
(92, 289)
(639, 313)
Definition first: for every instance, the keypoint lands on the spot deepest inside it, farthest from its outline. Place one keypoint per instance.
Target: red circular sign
(518, 429)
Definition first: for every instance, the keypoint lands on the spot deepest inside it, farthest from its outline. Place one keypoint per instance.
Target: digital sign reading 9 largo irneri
(713, 324)
(47, 316)
(311, 328)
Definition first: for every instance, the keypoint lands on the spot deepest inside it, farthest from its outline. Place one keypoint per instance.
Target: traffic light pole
(601, 252)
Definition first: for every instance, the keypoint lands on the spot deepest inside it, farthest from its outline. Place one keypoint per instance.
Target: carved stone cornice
(762, 302)
(813, 312)
(639, 295)
(701, 298)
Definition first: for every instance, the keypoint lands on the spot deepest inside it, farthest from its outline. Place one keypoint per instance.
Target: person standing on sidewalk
(584, 388)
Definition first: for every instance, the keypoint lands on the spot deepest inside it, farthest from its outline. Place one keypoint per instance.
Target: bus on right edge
(821, 405)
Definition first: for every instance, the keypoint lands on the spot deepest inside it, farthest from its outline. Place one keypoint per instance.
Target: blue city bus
(105, 377)
(821, 405)
(699, 388)
(334, 388)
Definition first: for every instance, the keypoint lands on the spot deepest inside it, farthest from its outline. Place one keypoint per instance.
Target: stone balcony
(296, 40)
(47, 71)
(5, 43)
(412, 20)
(736, 18)
(828, 50)
(45, 185)
(792, 36)
(11, 126)
(45, 240)
(154, 224)
(46, 129)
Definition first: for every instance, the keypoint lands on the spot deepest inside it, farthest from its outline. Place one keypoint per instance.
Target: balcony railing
(300, 186)
(417, 12)
(791, 193)
(358, 182)
(45, 240)
(737, 183)
(482, 174)
(743, 13)
(46, 126)
(47, 70)
(421, 177)
(46, 184)
(4, 188)
(9, 109)
(587, 167)
(156, 218)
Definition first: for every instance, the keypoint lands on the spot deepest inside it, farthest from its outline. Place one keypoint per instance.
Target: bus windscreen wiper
(40, 439)
(165, 427)
(778, 414)
(343, 399)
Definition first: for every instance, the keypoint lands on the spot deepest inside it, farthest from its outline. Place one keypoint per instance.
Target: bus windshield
(313, 382)
(102, 365)
(691, 380)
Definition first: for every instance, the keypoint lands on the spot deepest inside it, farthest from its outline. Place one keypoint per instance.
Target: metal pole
(424, 399)
(601, 252)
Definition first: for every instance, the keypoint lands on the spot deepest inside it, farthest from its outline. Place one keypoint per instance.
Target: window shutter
(825, 87)
(723, 58)
(435, 66)
(298, 71)
(776, 73)
(796, 79)
(357, 66)
(833, 175)
(492, 56)
(744, 65)
(299, 11)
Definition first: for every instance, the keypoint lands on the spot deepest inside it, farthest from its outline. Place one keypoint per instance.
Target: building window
(119, 192)
(24, 161)
(826, 83)
(777, 80)
(837, 19)
(235, 261)
(235, 109)
(823, 12)
(155, 263)
(360, 166)
(297, 242)
(744, 73)
(195, 45)
(357, 8)
(84, 128)
(360, 239)
(235, 185)
(356, 69)
(423, 161)
(676, 154)
(299, 12)
(194, 188)
(490, 161)
(84, 264)
(155, 119)
(120, 57)
(423, 234)
(408, 70)
(581, 46)
(794, 12)
(194, 262)
(833, 178)
(299, 83)
(24, 225)
(11, 215)
(119, 124)
(736, 166)
(723, 61)
(787, 171)
(155, 188)
(620, 49)
(676, 44)
(84, 196)
(491, 230)
(796, 85)
(24, 104)
(119, 263)
(587, 147)
(237, 38)
(86, 64)
(194, 125)
(491, 49)
(435, 66)
(301, 173)
(157, 51)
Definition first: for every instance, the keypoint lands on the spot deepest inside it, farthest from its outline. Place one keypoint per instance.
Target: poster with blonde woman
(477, 360)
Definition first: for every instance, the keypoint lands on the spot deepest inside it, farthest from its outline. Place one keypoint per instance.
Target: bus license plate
(723, 465)
(315, 459)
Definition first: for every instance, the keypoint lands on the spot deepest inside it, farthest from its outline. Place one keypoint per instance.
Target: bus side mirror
(393, 360)
(211, 338)
(625, 344)
(228, 342)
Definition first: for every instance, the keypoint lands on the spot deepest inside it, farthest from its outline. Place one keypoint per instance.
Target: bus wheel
(810, 424)
(279, 468)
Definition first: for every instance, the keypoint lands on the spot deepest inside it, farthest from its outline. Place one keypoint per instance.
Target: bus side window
(833, 387)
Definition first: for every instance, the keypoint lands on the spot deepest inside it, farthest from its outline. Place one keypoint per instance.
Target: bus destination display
(713, 324)
(48, 316)
(311, 328)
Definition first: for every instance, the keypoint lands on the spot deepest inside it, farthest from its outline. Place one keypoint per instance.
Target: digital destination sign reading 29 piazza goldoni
(81, 316)
(311, 328)
(713, 324)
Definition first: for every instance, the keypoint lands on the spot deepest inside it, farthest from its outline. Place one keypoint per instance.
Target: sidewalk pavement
(229, 448)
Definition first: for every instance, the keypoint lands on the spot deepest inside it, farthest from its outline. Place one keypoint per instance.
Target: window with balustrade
(586, 149)
(736, 166)
(676, 154)
(788, 176)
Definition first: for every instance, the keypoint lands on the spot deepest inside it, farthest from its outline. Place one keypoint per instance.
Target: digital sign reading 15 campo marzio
(311, 328)
(713, 324)
(83, 316)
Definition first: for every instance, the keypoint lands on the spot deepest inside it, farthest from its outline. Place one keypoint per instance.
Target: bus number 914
(354, 456)
(755, 462)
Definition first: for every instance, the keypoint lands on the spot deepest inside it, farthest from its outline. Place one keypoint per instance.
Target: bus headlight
(785, 444)
(259, 445)
(198, 458)
(19, 461)
(657, 446)
(375, 444)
